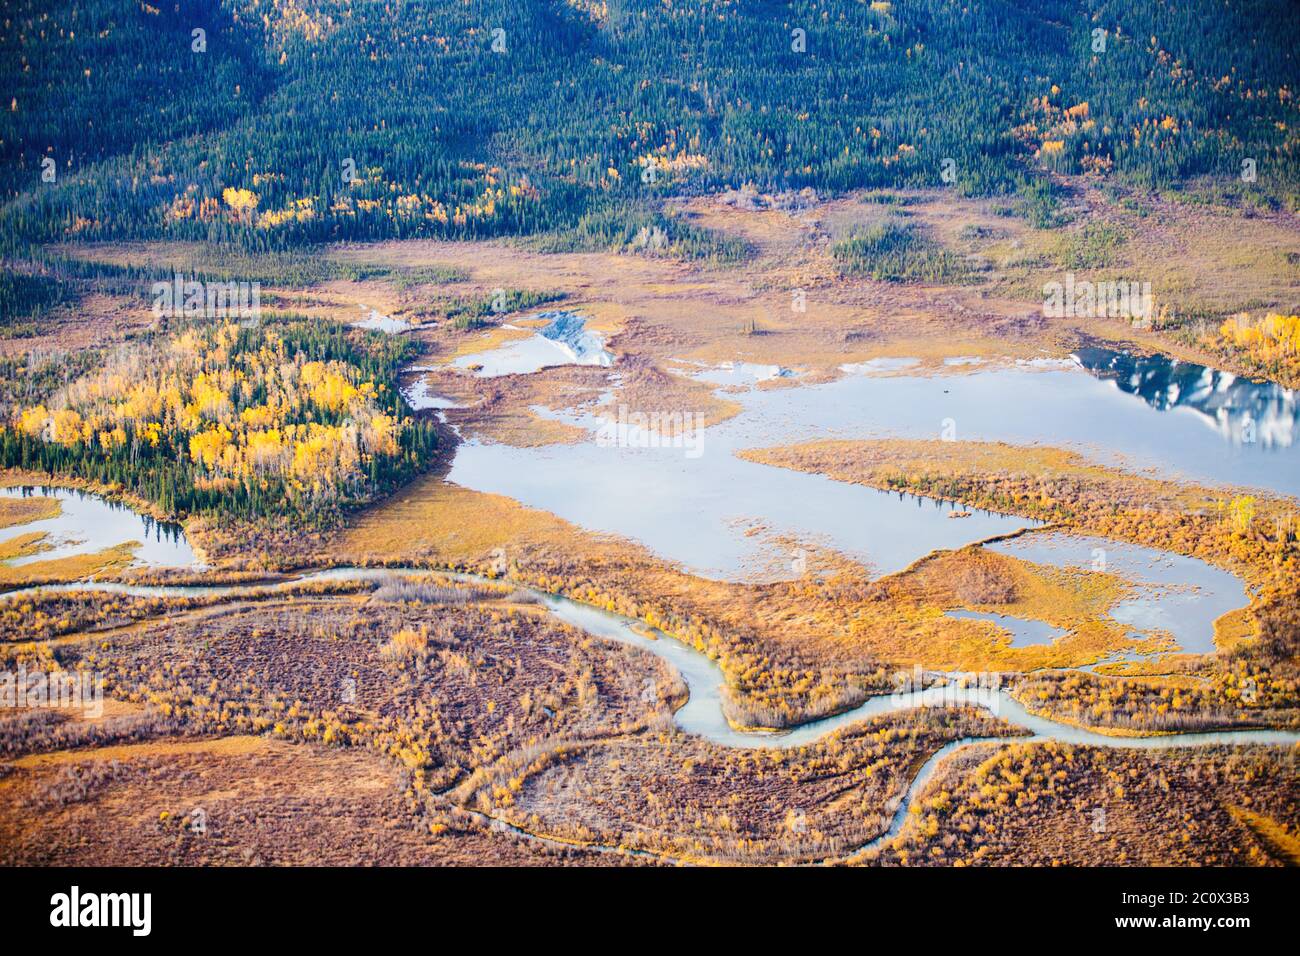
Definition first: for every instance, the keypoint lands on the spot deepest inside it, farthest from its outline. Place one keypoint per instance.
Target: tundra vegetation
(1058, 805)
(464, 710)
(457, 166)
(1257, 538)
(476, 700)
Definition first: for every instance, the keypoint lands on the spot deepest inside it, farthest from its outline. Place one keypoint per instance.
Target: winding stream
(702, 712)
(687, 508)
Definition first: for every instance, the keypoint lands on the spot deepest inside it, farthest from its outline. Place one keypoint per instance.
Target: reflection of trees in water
(168, 531)
(1235, 407)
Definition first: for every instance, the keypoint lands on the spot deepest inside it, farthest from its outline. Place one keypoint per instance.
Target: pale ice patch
(375, 321)
(564, 340)
(879, 366)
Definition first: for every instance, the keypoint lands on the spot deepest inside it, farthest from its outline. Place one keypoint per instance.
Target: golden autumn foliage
(234, 407)
(1276, 332)
(242, 202)
(1270, 344)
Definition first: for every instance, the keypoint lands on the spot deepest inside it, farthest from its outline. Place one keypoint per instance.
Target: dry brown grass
(1052, 804)
(265, 802)
(77, 567)
(433, 520)
(688, 800)
(21, 545)
(23, 510)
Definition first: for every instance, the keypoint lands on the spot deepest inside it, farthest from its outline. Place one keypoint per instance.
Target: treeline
(472, 312)
(634, 227)
(310, 122)
(25, 296)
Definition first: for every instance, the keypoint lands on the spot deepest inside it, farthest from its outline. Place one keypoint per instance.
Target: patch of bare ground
(235, 801)
(95, 320)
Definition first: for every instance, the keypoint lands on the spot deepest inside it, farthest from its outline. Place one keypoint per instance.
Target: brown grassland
(484, 711)
(1052, 804)
(23, 510)
(437, 723)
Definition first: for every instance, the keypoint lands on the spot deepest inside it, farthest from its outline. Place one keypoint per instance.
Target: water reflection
(87, 523)
(718, 515)
(1240, 410)
(696, 511)
(1060, 404)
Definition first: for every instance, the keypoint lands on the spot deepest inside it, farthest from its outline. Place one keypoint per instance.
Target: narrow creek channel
(702, 713)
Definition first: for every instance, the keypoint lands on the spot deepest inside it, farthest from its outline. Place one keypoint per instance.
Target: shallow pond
(1077, 405)
(87, 524)
(698, 506)
(692, 510)
(1025, 632)
(716, 515)
(419, 397)
(373, 320)
(1171, 594)
(739, 373)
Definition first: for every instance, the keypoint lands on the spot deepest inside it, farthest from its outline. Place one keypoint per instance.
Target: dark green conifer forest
(288, 122)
